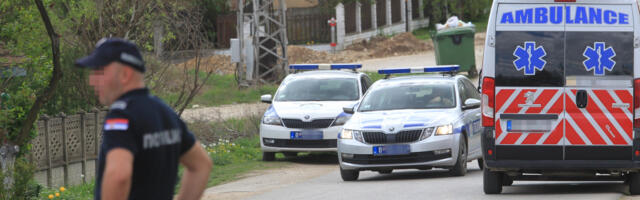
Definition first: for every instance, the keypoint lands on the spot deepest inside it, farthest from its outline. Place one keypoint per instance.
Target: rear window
(512, 43)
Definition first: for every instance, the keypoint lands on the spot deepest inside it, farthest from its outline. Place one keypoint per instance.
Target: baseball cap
(113, 49)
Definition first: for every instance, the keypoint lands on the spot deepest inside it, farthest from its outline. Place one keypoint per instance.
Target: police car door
(529, 81)
(599, 59)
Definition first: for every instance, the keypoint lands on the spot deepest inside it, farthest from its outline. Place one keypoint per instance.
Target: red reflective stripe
(558, 107)
(626, 97)
(498, 129)
(582, 122)
(572, 135)
(520, 99)
(617, 113)
(511, 138)
(117, 120)
(543, 99)
(603, 121)
(556, 135)
(532, 138)
(502, 97)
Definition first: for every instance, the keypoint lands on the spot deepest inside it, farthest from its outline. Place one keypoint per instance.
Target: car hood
(315, 110)
(393, 121)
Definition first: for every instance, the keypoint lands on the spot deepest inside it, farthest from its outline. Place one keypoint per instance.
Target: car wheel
(460, 169)
(290, 154)
(507, 181)
(388, 171)
(349, 175)
(492, 181)
(268, 156)
(480, 163)
(634, 183)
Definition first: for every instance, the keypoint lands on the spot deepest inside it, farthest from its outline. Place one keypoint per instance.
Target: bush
(23, 186)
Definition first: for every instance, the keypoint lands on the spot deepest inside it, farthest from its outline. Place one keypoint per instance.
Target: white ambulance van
(561, 92)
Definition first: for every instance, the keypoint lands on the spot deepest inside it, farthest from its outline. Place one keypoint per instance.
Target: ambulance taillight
(636, 103)
(488, 101)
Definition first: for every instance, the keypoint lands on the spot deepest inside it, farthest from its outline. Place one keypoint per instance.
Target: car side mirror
(266, 98)
(349, 110)
(471, 103)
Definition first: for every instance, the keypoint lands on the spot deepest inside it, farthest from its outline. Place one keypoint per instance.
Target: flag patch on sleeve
(116, 124)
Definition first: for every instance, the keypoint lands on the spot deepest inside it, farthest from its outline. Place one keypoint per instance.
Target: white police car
(306, 112)
(412, 122)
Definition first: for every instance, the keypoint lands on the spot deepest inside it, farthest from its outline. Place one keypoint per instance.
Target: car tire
(460, 169)
(268, 156)
(480, 163)
(492, 181)
(388, 171)
(349, 175)
(507, 181)
(634, 183)
(290, 154)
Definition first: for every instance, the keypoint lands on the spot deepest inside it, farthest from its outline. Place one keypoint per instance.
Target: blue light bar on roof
(324, 66)
(439, 68)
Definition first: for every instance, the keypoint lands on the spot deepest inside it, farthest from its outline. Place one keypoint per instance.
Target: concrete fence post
(358, 17)
(341, 32)
(374, 15)
(47, 148)
(409, 14)
(65, 149)
(420, 9)
(83, 131)
(388, 9)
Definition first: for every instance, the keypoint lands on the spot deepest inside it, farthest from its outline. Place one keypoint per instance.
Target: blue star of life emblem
(599, 58)
(529, 58)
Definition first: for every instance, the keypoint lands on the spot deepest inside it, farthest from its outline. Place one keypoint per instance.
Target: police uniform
(142, 124)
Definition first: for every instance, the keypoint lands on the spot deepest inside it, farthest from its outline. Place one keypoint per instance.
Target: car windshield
(319, 89)
(412, 96)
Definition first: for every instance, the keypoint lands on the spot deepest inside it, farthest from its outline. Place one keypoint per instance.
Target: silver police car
(413, 122)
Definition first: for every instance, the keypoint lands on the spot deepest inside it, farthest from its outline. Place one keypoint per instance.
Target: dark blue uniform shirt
(156, 137)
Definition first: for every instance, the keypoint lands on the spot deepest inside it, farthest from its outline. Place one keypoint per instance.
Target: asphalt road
(435, 184)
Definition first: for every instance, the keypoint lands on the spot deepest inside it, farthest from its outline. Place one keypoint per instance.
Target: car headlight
(426, 133)
(341, 120)
(351, 134)
(346, 134)
(445, 130)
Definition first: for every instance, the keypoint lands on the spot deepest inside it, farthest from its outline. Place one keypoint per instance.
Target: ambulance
(561, 92)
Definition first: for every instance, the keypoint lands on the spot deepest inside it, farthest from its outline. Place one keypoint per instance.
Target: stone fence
(66, 148)
(409, 14)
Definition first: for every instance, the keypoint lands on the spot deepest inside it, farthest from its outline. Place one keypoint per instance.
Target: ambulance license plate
(529, 125)
(401, 149)
(306, 135)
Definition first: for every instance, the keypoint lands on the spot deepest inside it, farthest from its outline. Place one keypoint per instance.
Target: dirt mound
(220, 64)
(401, 44)
(299, 54)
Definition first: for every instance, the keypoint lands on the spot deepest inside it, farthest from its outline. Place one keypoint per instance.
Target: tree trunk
(46, 93)
(8, 153)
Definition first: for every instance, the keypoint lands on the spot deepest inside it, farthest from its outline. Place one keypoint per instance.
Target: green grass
(84, 191)
(223, 89)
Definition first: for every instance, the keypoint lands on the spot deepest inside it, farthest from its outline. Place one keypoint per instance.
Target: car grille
(395, 159)
(296, 123)
(401, 137)
(331, 143)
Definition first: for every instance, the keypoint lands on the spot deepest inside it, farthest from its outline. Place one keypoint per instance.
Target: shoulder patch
(116, 124)
(118, 105)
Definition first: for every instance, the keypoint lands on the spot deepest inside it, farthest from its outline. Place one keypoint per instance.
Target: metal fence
(66, 148)
(302, 28)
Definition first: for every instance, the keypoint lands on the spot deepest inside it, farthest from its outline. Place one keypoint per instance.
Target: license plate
(306, 135)
(529, 125)
(391, 150)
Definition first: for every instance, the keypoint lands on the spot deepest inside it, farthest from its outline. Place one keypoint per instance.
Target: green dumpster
(455, 46)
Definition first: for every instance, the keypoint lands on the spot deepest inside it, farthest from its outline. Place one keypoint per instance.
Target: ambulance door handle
(581, 99)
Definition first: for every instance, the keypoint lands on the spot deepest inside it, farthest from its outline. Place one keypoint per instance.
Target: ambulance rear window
(529, 58)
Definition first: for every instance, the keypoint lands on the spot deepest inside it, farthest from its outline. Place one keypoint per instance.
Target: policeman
(143, 138)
